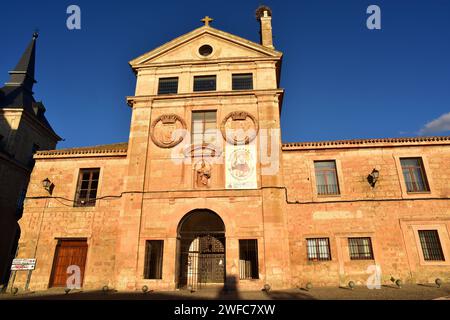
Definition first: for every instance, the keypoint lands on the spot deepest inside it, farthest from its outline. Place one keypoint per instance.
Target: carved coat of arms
(168, 130)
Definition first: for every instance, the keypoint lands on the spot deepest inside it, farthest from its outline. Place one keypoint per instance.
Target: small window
(87, 187)
(326, 178)
(248, 259)
(414, 174)
(205, 83)
(205, 50)
(431, 245)
(318, 249)
(153, 259)
(168, 85)
(360, 248)
(243, 81)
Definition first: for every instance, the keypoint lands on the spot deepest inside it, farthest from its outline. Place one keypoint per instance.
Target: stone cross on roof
(206, 20)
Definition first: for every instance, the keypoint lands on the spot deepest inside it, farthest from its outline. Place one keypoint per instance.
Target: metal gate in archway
(201, 250)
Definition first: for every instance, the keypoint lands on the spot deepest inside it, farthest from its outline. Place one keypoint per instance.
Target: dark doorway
(68, 253)
(201, 250)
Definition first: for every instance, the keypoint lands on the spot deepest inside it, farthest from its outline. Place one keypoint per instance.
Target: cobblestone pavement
(407, 292)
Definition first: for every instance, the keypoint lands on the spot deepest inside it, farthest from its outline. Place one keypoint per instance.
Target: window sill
(436, 263)
(359, 260)
(418, 193)
(328, 195)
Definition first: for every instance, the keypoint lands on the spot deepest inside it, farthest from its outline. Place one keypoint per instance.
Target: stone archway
(201, 250)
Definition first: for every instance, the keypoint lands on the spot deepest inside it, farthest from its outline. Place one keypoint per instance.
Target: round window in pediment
(205, 50)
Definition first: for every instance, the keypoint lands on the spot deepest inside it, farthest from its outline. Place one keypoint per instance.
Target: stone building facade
(23, 130)
(204, 192)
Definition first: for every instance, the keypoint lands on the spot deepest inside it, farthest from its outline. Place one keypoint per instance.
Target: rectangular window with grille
(168, 85)
(431, 245)
(204, 127)
(414, 174)
(318, 249)
(87, 187)
(326, 178)
(153, 259)
(205, 83)
(242, 81)
(360, 248)
(248, 259)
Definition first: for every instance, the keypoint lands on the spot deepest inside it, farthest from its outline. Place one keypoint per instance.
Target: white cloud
(440, 124)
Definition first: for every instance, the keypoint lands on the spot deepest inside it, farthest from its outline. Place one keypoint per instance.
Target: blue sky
(342, 80)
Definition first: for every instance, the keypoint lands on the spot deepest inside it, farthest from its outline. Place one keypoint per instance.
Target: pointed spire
(23, 73)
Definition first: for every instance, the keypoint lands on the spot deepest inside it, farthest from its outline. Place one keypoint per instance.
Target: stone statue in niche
(203, 171)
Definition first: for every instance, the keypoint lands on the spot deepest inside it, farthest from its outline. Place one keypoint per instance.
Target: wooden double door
(68, 253)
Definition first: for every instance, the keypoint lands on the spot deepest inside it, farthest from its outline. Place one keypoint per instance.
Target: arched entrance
(201, 250)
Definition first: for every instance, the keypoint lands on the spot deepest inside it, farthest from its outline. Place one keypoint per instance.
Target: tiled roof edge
(363, 142)
(119, 148)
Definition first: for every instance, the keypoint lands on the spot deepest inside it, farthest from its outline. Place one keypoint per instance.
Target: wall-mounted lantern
(48, 185)
(372, 178)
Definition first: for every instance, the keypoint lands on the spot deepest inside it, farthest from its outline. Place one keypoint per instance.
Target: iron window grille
(242, 81)
(414, 174)
(205, 83)
(326, 178)
(248, 259)
(153, 259)
(168, 85)
(318, 249)
(360, 248)
(431, 245)
(87, 187)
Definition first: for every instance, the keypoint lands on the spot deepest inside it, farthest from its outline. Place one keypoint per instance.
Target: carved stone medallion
(168, 130)
(239, 127)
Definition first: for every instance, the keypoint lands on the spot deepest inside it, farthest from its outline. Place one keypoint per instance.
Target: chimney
(264, 16)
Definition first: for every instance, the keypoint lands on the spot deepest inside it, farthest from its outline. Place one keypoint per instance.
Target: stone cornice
(367, 143)
(180, 63)
(205, 94)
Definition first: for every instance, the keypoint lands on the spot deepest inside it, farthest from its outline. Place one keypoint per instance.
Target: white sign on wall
(23, 264)
(240, 167)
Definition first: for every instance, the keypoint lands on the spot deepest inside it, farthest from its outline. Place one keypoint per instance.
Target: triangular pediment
(185, 48)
